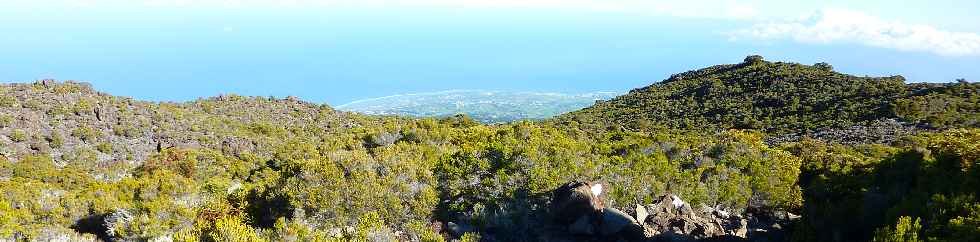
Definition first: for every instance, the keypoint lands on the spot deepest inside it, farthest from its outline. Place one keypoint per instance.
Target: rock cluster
(883, 131)
(72, 123)
(579, 212)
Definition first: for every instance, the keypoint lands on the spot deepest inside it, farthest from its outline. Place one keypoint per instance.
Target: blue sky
(337, 51)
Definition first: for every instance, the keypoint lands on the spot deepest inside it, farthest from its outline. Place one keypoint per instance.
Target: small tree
(824, 66)
(905, 231)
(754, 59)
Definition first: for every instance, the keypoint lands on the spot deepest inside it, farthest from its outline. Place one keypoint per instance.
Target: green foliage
(236, 168)
(470, 237)
(852, 191)
(780, 98)
(905, 231)
(126, 130)
(7, 101)
(772, 96)
(459, 121)
(942, 105)
(55, 140)
(104, 148)
(6, 120)
(85, 133)
(232, 229)
(18, 135)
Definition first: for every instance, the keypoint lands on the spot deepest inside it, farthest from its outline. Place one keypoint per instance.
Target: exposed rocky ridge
(878, 132)
(74, 123)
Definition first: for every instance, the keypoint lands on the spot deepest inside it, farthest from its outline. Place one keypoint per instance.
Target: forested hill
(780, 98)
(80, 165)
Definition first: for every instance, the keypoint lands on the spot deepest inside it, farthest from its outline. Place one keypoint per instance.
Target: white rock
(162, 239)
(596, 189)
(722, 213)
(677, 202)
(641, 213)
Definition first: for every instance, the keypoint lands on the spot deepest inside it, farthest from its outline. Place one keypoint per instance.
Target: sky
(338, 51)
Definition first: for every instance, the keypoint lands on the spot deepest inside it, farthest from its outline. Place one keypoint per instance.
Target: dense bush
(780, 98)
(852, 192)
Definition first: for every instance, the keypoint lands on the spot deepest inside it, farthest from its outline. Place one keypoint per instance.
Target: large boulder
(574, 200)
(618, 224)
(577, 206)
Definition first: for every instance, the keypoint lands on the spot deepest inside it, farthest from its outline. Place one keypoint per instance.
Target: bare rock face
(574, 200)
(615, 222)
(671, 217)
(578, 207)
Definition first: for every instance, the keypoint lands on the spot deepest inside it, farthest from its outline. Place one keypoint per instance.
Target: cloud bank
(845, 26)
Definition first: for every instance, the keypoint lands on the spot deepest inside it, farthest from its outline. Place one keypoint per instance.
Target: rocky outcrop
(64, 119)
(885, 131)
(578, 211)
(577, 208)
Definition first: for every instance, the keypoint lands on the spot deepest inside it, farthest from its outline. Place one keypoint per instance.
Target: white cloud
(846, 26)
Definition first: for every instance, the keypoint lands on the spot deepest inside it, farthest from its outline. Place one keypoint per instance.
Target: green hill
(80, 165)
(780, 98)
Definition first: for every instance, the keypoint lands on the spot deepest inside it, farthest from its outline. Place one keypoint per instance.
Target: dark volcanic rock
(883, 131)
(574, 200)
(580, 216)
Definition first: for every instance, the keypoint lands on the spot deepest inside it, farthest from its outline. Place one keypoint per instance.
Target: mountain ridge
(777, 97)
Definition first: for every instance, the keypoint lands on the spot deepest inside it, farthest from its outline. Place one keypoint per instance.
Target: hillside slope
(70, 122)
(79, 165)
(780, 98)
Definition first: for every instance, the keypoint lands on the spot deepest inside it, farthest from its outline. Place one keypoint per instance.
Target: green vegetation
(942, 105)
(780, 98)
(851, 191)
(235, 168)
(18, 135)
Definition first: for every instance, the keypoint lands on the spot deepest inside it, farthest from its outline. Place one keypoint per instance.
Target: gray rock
(459, 229)
(670, 215)
(614, 221)
(582, 226)
(574, 200)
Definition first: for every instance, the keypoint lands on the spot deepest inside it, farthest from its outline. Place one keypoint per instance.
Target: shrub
(905, 231)
(6, 120)
(233, 229)
(56, 140)
(85, 133)
(18, 135)
(104, 147)
(7, 101)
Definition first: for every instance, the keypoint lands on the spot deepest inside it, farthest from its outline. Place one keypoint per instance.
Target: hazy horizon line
(472, 90)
